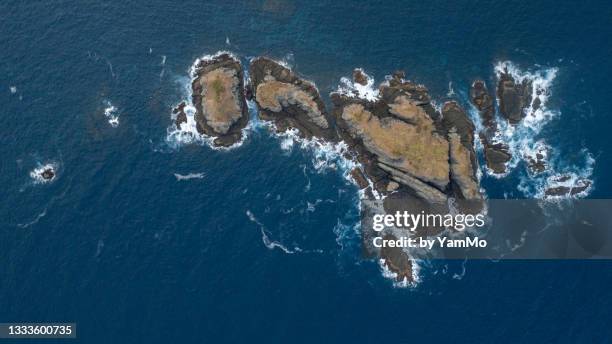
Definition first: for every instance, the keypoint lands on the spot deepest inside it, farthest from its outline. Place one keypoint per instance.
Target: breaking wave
(37, 173)
(405, 283)
(111, 113)
(525, 142)
(189, 176)
(187, 132)
(354, 89)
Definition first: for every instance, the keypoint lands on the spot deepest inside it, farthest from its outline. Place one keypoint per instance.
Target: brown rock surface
(411, 148)
(288, 100)
(218, 97)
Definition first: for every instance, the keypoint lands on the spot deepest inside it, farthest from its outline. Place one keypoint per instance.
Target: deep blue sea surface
(143, 239)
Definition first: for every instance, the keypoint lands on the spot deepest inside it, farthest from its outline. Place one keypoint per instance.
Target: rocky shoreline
(288, 100)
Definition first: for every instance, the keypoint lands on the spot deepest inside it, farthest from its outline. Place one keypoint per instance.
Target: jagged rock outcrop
(397, 261)
(463, 160)
(496, 153)
(360, 77)
(179, 112)
(565, 185)
(48, 173)
(218, 98)
(413, 148)
(513, 97)
(288, 100)
(400, 138)
(537, 158)
(409, 150)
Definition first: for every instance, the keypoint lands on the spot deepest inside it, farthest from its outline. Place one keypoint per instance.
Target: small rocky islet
(406, 148)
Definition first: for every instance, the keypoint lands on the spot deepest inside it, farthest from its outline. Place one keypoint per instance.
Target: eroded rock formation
(218, 98)
(409, 150)
(288, 100)
(514, 97)
(496, 153)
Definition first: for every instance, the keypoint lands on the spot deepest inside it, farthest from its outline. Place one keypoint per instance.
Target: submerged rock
(288, 100)
(219, 100)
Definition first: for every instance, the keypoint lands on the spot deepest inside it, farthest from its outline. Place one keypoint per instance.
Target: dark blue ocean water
(120, 245)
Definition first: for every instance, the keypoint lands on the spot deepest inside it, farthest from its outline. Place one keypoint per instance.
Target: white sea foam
(288, 61)
(569, 176)
(386, 273)
(436, 105)
(187, 132)
(34, 221)
(36, 173)
(463, 271)
(346, 234)
(541, 81)
(270, 244)
(111, 113)
(524, 138)
(189, 176)
(354, 89)
(451, 91)
(521, 138)
(307, 187)
(325, 155)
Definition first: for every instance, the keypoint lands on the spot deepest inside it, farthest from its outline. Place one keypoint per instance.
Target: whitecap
(111, 113)
(13, 89)
(189, 176)
(542, 81)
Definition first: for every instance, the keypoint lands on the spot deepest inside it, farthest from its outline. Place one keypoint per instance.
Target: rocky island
(288, 100)
(218, 98)
(407, 149)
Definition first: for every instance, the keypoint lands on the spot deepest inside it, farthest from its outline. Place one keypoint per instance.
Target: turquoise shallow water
(134, 253)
